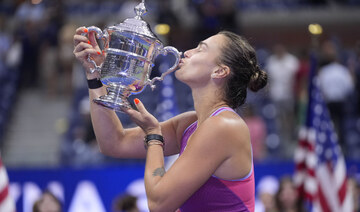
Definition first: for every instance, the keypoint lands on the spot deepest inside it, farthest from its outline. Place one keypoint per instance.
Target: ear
(221, 72)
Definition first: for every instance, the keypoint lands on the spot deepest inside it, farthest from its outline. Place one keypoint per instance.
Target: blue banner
(93, 189)
(101, 184)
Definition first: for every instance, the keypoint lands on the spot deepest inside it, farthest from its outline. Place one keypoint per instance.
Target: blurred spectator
(125, 203)
(215, 16)
(257, 128)
(287, 197)
(5, 44)
(266, 190)
(49, 51)
(282, 67)
(337, 85)
(27, 11)
(354, 67)
(30, 61)
(65, 54)
(14, 54)
(84, 141)
(301, 86)
(28, 18)
(47, 203)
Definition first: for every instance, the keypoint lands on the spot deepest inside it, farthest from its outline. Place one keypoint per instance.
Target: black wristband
(151, 137)
(94, 83)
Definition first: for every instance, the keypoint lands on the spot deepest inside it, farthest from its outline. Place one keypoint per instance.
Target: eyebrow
(202, 43)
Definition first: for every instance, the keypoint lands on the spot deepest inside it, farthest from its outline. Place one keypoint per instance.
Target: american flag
(320, 165)
(6, 202)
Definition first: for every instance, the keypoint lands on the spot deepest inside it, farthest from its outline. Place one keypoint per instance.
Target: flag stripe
(342, 192)
(6, 202)
(323, 202)
(4, 194)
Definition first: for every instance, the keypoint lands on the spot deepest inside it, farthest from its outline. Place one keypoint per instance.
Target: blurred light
(162, 29)
(36, 1)
(272, 141)
(61, 126)
(269, 111)
(315, 29)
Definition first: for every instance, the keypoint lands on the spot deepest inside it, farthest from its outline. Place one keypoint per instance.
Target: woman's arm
(114, 140)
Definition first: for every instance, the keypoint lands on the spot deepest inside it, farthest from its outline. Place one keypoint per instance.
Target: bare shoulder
(226, 136)
(227, 127)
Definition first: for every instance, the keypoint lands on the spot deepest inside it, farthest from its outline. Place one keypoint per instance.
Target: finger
(93, 41)
(80, 38)
(82, 46)
(135, 115)
(81, 30)
(131, 112)
(83, 54)
(140, 106)
(84, 49)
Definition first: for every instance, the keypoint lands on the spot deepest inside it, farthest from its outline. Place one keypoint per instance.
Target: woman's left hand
(147, 122)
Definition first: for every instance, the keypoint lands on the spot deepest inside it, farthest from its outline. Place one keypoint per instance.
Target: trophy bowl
(131, 49)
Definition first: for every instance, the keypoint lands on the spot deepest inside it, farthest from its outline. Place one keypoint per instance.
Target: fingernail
(89, 42)
(99, 53)
(137, 101)
(86, 30)
(103, 51)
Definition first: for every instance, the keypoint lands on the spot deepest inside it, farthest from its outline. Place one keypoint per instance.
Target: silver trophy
(131, 48)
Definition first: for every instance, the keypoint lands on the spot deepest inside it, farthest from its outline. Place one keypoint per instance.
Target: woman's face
(200, 62)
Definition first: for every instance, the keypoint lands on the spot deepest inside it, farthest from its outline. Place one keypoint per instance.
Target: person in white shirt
(336, 84)
(282, 68)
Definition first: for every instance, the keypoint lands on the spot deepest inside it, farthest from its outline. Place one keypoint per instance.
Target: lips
(181, 62)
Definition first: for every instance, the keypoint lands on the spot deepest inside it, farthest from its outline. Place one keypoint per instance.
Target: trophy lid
(137, 24)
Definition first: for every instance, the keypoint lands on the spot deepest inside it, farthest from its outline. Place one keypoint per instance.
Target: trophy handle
(99, 35)
(165, 51)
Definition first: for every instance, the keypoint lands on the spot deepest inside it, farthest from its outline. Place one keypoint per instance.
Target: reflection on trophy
(131, 48)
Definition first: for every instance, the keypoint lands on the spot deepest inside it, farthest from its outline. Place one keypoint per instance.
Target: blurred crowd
(36, 53)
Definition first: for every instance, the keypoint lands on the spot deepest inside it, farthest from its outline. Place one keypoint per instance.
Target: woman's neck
(206, 102)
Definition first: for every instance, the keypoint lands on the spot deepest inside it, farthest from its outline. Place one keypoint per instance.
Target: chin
(177, 74)
(180, 76)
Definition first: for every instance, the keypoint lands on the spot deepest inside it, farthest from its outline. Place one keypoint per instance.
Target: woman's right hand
(87, 46)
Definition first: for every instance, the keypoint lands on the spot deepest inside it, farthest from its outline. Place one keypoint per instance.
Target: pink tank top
(218, 194)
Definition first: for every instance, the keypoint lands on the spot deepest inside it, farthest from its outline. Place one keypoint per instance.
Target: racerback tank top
(219, 194)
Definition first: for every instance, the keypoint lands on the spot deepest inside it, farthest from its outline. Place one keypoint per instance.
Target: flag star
(322, 137)
(316, 122)
(318, 149)
(318, 109)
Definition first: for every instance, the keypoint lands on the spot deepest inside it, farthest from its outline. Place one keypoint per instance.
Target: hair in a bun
(240, 57)
(258, 80)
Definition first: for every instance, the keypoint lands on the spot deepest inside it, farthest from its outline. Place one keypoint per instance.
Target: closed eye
(202, 45)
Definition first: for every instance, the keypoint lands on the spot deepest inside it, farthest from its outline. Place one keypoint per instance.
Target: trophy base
(118, 105)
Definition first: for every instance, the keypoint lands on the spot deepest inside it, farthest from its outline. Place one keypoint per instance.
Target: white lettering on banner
(86, 199)
(31, 192)
(15, 191)
(57, 189)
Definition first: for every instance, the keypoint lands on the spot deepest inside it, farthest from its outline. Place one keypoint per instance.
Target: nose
(187, 53)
